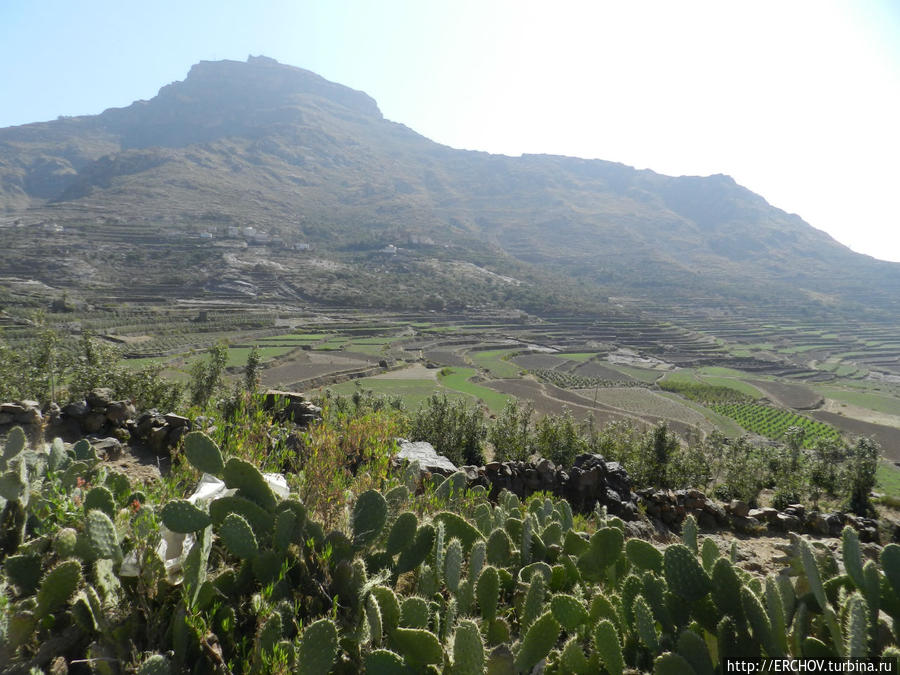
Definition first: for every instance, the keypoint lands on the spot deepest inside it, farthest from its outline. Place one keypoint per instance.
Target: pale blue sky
(799, 100)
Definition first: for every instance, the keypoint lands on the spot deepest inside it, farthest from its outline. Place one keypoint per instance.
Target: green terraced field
(773, 422)
(732, 383)
(581, 357)
(493, 362)
(458, 380)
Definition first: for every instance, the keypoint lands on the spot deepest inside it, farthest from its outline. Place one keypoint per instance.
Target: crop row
(566, 380)
(774, 422)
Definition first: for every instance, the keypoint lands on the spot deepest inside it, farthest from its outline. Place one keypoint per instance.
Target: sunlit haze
(798, 101)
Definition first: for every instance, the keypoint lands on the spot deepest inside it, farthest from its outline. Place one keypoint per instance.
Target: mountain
(310, 162)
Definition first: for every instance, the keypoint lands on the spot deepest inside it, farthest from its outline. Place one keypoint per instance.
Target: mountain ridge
(258, 143)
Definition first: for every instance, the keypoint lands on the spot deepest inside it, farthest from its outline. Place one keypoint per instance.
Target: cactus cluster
(505, 587)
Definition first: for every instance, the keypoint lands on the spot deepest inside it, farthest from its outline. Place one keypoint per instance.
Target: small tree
(512, 433)
(251, 372)
(862, 464)
(206, 375)
(455, 429)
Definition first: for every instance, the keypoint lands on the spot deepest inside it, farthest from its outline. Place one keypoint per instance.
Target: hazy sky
(797, 100)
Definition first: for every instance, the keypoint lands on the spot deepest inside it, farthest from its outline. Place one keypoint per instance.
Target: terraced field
(774, 422)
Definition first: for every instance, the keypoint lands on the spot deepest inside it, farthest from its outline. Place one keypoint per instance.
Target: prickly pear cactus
(568, 611)
(468, 650)
(179, 515)
(244, 476)
(644, 555)
(369, 516)
(318, 648)
(537, 643)
(419, 647)
(403, 531)
(238, 536)
(488, 593)
(203, 454)
(684, 575)
(101, 538)
(58, 585)
(155, 665)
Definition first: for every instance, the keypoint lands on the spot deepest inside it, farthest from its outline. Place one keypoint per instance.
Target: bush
(512, 433)
(859, 475)
(455, 429)
(558, 438)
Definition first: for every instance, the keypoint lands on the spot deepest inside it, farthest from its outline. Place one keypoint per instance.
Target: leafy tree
(512, 433)
(251, 372)
(455, 429)
(558, 438)
(859, 479)
(206, 375)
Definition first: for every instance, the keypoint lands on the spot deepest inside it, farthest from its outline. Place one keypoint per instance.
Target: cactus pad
(537, 643)
(238, 536)
(318, 648)
(369, 517)
(260, 520)
(685, 576)
(415, 555)
(458, 528)
(155, 665)
(468, 650)
(383, 662)
(244, 476)
(414, 613)
(59, 584)
(203, 454)
(644, 555)
(488, 592)
(24, 571)
(389, 607)
(403, 531)
(568, 611)
(419, 647)
(100, 536)
(179, 515)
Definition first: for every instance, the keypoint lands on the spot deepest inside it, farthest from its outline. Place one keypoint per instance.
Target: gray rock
(739, 508)
(99, 398)
(119, 411)
(12, 409)
(177, 421)
(93, 422)
(6, 418)
(427, 457)
(77, 409)
(108, 448)
(30, 416)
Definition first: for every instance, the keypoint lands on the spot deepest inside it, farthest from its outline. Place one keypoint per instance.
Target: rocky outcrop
(293, 406)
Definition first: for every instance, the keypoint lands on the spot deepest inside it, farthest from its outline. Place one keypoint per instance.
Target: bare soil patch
(796, 396)
(447, 358)
(862, 414)
(417, 371)
(309, 365)
(887, 437)
(594, 369)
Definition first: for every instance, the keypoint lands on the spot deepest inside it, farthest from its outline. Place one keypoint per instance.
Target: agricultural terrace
(773, 422)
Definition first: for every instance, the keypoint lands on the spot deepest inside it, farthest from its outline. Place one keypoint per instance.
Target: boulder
(99, 398)
(739, 508)
(427, 457)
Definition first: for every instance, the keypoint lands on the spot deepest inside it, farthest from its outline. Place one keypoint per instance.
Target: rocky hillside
(264, 145)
